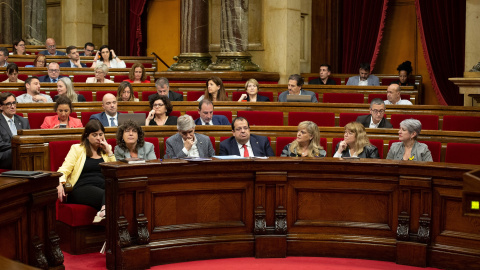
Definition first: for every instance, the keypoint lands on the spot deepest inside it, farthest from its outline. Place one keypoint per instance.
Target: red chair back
(58, 153)
(322, 119)
(281, 142)
(81, 78)
(379, 144)
(335, 141)
(120, 78)
(112, 142)
(464, 153)
(146, 94)
(175, 113)
(100, 94)
(343, 98)
(428, 121)
(194, 114)
(346, 118)
(17, 93)
(461, 123)
(194, 95)
(53, 93)
(86, 117)
(156, 147)
(262, 118)
(227, 114)
(87, 94)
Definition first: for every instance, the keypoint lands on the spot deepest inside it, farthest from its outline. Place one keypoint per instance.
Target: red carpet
(96, 261)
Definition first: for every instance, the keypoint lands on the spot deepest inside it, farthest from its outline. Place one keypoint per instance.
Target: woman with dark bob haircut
(160, 110)
(81, 168)
(131, 142)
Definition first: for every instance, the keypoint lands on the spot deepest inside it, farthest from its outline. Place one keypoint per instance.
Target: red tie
(245, 151)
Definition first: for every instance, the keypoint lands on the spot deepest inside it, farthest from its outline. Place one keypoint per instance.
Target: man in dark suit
(163, 88)
(375, 119)
(244, 144)
(74, 59)
(88, 49)
(9, 124)
(324, 78)
(187, 143)
(53, 73)
(108, 118)
(295, 83)
(205, 109)
(51, 48)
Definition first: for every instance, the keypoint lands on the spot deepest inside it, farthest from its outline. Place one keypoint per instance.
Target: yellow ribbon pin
(411, 158)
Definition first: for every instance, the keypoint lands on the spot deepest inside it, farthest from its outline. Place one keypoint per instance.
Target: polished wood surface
(171, 211)
(27, 221)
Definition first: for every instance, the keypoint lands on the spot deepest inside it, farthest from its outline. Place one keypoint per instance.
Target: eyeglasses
(158, 105)
(53, 70)
(52, 46)
(9, 104)
(99, 72)
(378, 111)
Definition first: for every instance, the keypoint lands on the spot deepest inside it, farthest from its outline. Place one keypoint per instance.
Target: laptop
(299, 98)
(138, 118)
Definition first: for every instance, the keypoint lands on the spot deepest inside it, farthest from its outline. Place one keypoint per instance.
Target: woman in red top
(63, 108)
(137, 74)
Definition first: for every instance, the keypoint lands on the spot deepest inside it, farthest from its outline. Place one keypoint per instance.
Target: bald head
(109, 104)
(51, 46)
(393, 93)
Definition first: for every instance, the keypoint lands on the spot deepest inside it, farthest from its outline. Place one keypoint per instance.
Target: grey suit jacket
(6, 137)
(283, 96)
(371, 80)
(146, 152)
(420, 152)
(175, 146)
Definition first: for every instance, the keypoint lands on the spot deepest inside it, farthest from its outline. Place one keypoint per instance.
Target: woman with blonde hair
(355, 143)
(65, 88)
(307, 143)
(251, 95)
(101, 70)
(215, 90)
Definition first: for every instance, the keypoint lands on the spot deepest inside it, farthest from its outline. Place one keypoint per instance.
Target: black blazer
(6, 137)
(330, 81)
(369, 151)
(260, 98)
(365, 120)
(80, 98)
(173, 96)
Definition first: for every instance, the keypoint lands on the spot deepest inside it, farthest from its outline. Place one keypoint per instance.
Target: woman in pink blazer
(63, 108)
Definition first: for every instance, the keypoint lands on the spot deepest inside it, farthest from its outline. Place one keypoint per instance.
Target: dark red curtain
(442, 31)
(363, 22)
(136, 10)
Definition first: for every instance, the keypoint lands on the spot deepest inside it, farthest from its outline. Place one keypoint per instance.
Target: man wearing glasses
(375, 119)
(88, 49)
(10, 122)
(53, 73)
(33, 95)
(51, 48)
(243, 144)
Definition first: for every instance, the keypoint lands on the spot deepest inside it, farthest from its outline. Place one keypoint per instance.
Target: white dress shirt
(193, 152)
(249, 149)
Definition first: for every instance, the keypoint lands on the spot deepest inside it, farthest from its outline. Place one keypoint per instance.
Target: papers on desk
(196, 159)
(229, 157)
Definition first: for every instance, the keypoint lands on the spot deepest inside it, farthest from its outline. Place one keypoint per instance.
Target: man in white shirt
(375, 119)
(205, 109)
(33, 95)
(74, 62)
(108, 118)
(394, 96)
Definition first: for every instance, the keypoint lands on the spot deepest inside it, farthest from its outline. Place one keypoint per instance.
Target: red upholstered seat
(237, 95)
(100, 94)
(175, 113)
(465, 153)
(384, 97)
(262, 118)
(120, 78)
(194, 95)
(3, 77)
(156, 147)
(343, 98)
(23, 64)
(86, 117)
(17, 93)
(146, 94)
(346, 118)
(322, 119)
(461, 123)
(428, 121)
(434, 147)
(81, 78)
(87, 94)
(194, 114)
(36, 119)
(53, 93)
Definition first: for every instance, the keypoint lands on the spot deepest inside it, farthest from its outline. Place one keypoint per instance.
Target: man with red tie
(244, 144)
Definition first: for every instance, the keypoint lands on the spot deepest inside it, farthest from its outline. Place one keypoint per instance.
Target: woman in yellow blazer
(81, 168)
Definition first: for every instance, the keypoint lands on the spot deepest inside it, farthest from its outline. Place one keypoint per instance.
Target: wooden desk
(27, 221)
(409, 213)
(469, 87)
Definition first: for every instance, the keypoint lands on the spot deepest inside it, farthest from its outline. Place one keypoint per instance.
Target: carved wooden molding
(260, 221)
(142, 230)
(281, 221)
(424, 229)
(124, 239)
(54, 253)
(39, 260)
(403, 228)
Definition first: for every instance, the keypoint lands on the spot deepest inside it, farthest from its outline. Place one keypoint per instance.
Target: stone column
(194, 55)
(35, 23)
(77, 22)
(234, 38)
(11, 25)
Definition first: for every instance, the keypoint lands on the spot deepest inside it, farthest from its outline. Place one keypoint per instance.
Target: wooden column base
(411, 253)
(270, 246)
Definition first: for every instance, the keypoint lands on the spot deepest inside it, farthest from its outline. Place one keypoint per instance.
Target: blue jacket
(218, 120)
(102, 117)
(68, 65)
(260, 146)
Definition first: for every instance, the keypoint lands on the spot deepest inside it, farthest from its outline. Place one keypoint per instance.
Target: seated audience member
(137, 74)
(307, 143)
(355, 143)
(63, 107)
(3, 57)
(125, 92)
(251, 95)
(365, 78)
(205, 109)
(394, 96)
(81, 168)
(325, 71)
(108, 57)
(161, 107)
(375, 119)
(131, 142)
(295, 83)
(101, 70)
(12, 73)
(244, 144)
(408, 148)
(88, 49)
(163, 88)
(108, 118)
(53, 71)
(404, 70)
(51, 46)
(65, 88)
(74, 62)
(10, 122)
(187, 143)
(39, 62)
(32, 85)
(19, 47)
(215, 90)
